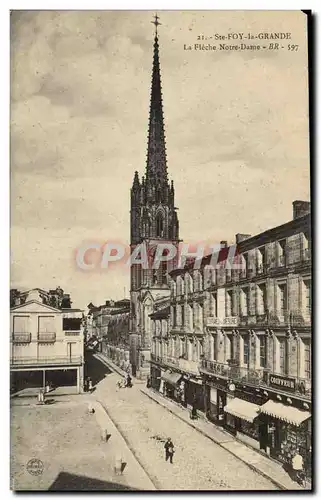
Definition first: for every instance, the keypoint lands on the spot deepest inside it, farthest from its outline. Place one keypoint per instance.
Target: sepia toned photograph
(161, 253)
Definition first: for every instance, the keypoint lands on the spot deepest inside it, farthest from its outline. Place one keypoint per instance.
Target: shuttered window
(46, 324)
(21, 324)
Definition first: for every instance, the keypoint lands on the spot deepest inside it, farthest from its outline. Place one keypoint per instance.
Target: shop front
(242, 420)
(194, 393)
(171, 387)
(155, 377)
(215, 398)
(289, 430)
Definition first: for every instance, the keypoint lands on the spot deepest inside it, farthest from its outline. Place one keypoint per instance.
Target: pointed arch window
(159, 226)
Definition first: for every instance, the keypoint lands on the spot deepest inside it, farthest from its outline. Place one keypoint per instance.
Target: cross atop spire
(156, 22)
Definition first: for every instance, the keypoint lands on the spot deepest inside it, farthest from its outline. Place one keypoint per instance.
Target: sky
(236, 127)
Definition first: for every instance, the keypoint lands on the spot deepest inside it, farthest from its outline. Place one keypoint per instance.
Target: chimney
(300, 208)
(241, 237)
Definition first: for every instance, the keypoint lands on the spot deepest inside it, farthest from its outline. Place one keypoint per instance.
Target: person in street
(194, 415)
(129, 381)
(297, 466)
(169, 450)
(90, 384)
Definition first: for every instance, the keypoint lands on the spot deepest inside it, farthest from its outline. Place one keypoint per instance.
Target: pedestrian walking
(90, 384)
(169, 450)
(297, 466)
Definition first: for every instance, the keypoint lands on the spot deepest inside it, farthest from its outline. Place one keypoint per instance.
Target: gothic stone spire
(156, 170)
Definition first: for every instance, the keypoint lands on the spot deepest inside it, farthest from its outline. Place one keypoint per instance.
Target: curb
(153, 481)
(251, 466)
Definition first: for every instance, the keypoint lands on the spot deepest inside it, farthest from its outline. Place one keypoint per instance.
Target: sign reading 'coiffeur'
(285, 383)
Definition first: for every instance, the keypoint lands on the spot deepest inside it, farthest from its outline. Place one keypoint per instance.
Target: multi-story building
(245, 330)
(47, 343)
(115, 343)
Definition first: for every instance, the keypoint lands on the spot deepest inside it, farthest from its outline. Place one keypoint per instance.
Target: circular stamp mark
(35, 467)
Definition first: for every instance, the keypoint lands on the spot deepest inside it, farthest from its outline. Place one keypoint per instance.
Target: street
(199, 464)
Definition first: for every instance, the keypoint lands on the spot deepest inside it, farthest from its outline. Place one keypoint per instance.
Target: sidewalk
(103, 358)
(255, 460)
(258, 462)
(134, 474)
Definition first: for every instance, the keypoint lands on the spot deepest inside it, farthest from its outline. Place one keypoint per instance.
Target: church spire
(156, 169)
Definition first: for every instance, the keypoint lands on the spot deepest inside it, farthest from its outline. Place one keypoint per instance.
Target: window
(306, 246)
(281, 252)
(307, 359)
(283, 356)
(46, 324)
(231, 347)
(244, 297)
(246, 349)
(263, 350)
(174, 315)
(307, 296)
(183, 315)
(213, 304)
(245, 265)
(71, 324)
(21, 324)
(261, 260)
(282, 299)
(159, 226)
(228, 303)
(261, 299)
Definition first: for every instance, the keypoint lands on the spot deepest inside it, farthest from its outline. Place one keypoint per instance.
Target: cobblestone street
(199, 464)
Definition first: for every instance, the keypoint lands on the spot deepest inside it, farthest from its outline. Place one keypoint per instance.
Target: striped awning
(171, 377)
(242, 409)
(289, 414)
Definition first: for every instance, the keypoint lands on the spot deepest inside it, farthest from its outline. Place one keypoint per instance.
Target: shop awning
(287, 413)
(242, 409)
(171, 378)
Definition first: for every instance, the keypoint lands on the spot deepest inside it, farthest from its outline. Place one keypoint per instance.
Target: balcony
(45, 361)
(185, 365)
(259, 377)
(221, 322)
(72, 333)
(46, 337)
(21, 338)
(199, 295)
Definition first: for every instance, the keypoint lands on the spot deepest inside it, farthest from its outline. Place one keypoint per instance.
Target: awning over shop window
(171, 378)
(286, 413)
(195, 381)
(242, 409)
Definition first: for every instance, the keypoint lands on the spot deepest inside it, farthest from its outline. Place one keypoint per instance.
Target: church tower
(153, 220)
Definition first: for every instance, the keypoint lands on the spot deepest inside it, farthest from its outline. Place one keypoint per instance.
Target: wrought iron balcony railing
(45, 361)
(21, 338)
(46, 337)
(187, 365)
(219, 322)
(260, 377)
(72, 333)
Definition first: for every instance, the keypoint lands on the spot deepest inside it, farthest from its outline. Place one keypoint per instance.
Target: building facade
(115, 343)
(153, 220)
(46, 343)
(246, 333)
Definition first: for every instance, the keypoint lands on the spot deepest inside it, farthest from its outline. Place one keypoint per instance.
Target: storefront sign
(279, 382)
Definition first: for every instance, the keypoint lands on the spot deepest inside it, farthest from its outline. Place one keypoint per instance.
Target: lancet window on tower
(159, 226)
